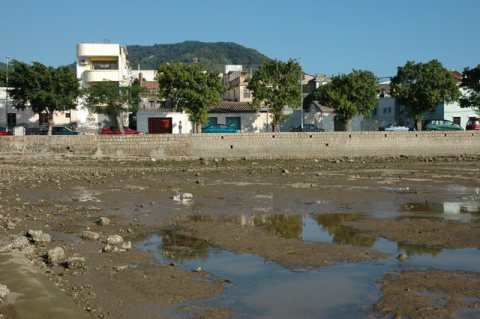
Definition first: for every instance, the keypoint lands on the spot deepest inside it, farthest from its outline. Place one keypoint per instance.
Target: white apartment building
(98, 62)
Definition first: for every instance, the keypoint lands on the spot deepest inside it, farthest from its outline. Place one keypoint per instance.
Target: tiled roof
(458, 76)
(232, 107)
(323, 108)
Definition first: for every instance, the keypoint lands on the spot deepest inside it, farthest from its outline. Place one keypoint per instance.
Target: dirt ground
(209, 200)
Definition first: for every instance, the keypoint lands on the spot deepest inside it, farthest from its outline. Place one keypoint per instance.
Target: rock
(90, 235)
(402, 257)
(127, 245)
(4, 291)
(120, 268)
(103, 221)
(56, 256)
(38, 237)
(110, 248)
(181, 197)
(20, 242)
(11, 225)
(115, 240)
(198, 269)
(76, 263)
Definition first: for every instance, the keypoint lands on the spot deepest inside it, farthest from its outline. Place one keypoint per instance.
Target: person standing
(179, 127)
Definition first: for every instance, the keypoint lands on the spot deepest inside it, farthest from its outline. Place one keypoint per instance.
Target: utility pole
(6, 95)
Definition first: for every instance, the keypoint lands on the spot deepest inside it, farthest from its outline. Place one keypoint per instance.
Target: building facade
(98, 62)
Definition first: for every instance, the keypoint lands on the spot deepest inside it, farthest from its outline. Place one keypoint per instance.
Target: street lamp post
(6, 94)
(299, 60)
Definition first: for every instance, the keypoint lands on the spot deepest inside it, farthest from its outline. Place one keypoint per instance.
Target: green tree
(422, 86)
(350, 95)
(190, 88)
(471, 82)
(3, 77)
(110, 98)
(45, 89)
(276, 84)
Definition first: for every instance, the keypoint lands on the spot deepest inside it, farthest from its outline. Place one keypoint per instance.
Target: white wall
(249, 122)
(142, 121)
(386, 109)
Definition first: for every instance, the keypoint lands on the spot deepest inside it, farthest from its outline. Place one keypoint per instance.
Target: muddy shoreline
(243, 206)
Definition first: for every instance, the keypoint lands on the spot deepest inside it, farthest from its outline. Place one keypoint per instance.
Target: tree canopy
(110, 98)
(190, 88)
(44, 89)
(350, 95)
(422, 86)
(213, 56)
(276, 84)
(471, 82)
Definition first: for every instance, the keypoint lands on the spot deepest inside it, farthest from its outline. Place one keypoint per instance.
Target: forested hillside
(212, 55)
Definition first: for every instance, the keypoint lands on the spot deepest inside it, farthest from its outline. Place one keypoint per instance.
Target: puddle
(465, 211)
(263, 289)
(82, 194)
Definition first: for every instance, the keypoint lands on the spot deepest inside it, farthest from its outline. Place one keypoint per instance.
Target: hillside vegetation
(214, 56)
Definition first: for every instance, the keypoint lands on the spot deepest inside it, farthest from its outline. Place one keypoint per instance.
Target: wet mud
(249, 239)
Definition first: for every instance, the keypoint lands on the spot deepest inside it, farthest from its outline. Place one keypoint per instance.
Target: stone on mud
(4, 291)
(38, 237)
(103, 221)
(76, 263)
(90, 235)
(115, 240)
(56, 256)
(20, 242)
(110, 248)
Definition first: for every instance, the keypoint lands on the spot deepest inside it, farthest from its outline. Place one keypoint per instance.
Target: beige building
(235, 79)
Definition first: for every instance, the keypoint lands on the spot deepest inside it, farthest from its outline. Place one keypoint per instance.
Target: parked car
(440, 125)
(473, 123)
(393, 127)
(111, 130)
(60, 130)
(5, 133)
(308, 128)
(219, 128)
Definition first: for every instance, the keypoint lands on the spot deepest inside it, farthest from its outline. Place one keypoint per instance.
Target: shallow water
(263, 289)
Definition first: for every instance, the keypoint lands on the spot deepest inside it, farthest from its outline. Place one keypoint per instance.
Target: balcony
(101, 75)
(97, 49)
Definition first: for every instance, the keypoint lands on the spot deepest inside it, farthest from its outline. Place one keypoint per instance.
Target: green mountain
(214, 56)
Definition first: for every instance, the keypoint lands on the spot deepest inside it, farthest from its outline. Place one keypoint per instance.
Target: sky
(328, 37)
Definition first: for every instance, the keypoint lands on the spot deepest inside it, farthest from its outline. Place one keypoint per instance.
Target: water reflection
(461, 211)
(342, 234)
(286, 226)
(182, 248)
(420, 249)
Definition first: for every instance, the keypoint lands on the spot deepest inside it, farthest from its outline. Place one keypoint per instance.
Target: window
(43, 119)
(457, 120)
(212, 121)
(246, 93)
(11, 119)
(233, 122)
(105, 65)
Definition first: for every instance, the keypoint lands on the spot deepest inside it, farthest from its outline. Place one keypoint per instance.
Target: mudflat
(137, 235)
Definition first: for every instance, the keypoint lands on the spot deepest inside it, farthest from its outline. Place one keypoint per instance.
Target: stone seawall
(254, 145)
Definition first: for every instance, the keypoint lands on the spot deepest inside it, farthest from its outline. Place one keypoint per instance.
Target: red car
(111, 130)
(3, 133)
(473, 123)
